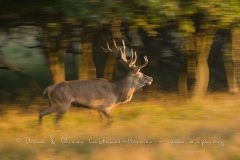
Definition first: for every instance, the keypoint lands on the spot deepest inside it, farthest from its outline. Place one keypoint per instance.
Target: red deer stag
(98, 94)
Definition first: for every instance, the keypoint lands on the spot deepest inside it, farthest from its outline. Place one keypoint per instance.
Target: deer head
(135, 76)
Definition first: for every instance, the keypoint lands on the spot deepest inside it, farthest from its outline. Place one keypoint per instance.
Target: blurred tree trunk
(203, 47)
(56, 51)
(229, 66)
(182, 81)
(188, 69)
(56, 63)
(111, 66)
(235, 34)
(86, 66)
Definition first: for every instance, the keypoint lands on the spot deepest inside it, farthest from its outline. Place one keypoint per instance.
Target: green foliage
(148, 14)
(155, 13)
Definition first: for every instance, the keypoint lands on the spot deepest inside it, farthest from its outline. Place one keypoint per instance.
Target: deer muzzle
(150, 80)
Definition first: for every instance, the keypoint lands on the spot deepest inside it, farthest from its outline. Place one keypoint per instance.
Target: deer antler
(122, 52)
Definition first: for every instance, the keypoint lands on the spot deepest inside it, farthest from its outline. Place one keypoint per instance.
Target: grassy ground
(149, 127)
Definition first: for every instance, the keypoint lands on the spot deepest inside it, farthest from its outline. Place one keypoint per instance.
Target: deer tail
(49, 90)
(45, 91)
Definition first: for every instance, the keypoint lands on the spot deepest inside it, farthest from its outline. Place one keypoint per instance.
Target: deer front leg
(101, 119)
(106, 112)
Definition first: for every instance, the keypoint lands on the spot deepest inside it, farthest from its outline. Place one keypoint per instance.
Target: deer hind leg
(59, 116)
(44, 112)
(60, 113)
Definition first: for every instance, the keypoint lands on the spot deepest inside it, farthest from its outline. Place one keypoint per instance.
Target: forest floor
(151, 127)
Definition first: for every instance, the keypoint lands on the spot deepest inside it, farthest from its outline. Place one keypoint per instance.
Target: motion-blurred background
(193, 47)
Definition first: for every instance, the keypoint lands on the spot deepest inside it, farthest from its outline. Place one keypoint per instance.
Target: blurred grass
(154, 118)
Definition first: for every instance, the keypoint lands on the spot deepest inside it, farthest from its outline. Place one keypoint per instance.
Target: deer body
(98, 94)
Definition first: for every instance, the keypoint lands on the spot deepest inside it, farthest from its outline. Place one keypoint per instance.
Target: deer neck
(125, 89)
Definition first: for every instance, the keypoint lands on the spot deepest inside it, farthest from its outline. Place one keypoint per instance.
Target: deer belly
(93, 104)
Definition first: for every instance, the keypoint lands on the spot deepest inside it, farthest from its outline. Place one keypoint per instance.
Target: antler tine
(124, 47)
(133, 59)
(122, 52)
(108, 48)
(114, 42)
(123, 56)
(145, 63)
(135, 55)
